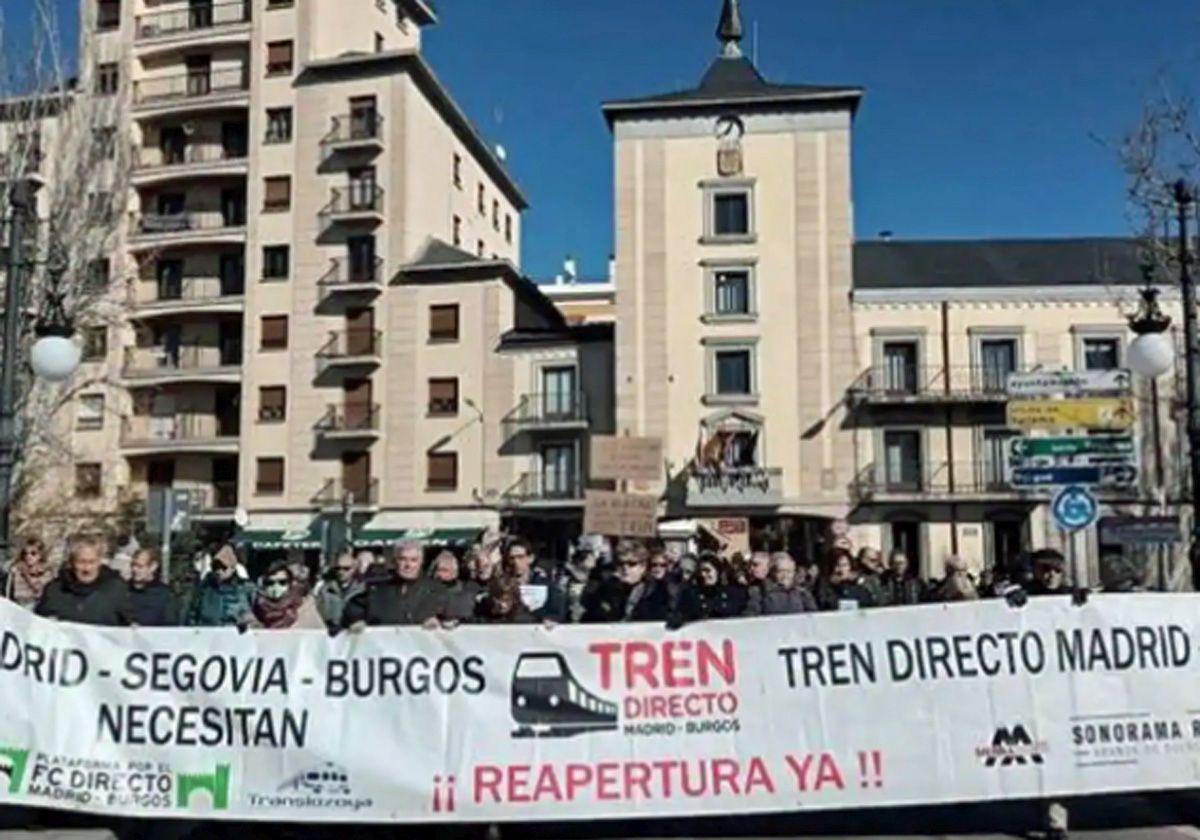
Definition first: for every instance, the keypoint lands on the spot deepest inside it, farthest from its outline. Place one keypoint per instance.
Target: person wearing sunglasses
(223, 598)
(631, 594)
(29, 575)
(281, 602)
(343, 581)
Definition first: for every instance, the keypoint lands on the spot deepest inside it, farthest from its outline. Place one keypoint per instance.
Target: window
(559, 393)
(996, 444)
(90, 416)
(558, 472)
(495, 214)
(88, 481)
(364, 117)
(276, 262)
(364, 194)
(443, 322)
(272, 403)
(279, 57)
(108, 79)
(900, 369)
(98, 275)
(95, 344)
(443, 397)
(482, 201)
(277, 193)
(733, 371)
(905, 535)
(361, 260)
(731, 292)
(279, 125)
(458, 171)
(508, 229)
(728, 210)
(280, 4)
(274, 333)
(269, 480)
(108, 15)
(902, 460)
(997, 359)
(1101, 353)
(457, 231)
(442, 471)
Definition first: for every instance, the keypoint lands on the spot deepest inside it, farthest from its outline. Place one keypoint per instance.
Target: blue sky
(979, 118)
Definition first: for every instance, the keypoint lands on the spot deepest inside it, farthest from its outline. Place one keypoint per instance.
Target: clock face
(730, 128)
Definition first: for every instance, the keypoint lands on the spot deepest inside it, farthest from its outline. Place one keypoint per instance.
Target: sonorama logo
(1010, 747)
(678, 687)
(1104, 739)
(130, 784)
(326, 787)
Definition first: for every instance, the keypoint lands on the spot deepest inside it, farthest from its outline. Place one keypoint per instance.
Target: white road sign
(1049, 383)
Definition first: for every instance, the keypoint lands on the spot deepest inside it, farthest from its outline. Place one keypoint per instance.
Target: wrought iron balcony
(194, 18)
(351, 347)
(352, 275)
(344, 422)
(545, 487)
(357, 202)
(920, 482)
(181, 431)
(553, 411)
(195, 85)
(192, 155)
(179, 294)
(337, 494)
(911, 384)
(188, 360)
(192, 221)
(730, 487)
(361, 130)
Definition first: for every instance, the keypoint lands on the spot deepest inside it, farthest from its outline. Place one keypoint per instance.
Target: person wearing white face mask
(282, 604)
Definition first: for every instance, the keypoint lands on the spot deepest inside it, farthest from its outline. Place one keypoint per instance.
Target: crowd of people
(499, 582)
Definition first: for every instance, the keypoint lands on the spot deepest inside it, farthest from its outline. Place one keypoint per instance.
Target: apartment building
(289, 158)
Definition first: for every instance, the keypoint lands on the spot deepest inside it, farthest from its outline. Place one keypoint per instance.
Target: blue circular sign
(1074, 509)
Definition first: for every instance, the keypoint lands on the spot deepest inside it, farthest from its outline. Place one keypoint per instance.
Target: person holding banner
(900, 588)
(841, 589)
(407, 598)
(539, 591)
(87, 591)
(222, 598)
(151, 600)
(341, 583)
(710, 595)
(460, 600)
(29, 574)
(782, 594)
(630, 595)
(1049, 574)
(281, 603)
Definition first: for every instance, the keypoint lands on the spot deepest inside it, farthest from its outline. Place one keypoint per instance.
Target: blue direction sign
(1074, 509)
(1110, 476)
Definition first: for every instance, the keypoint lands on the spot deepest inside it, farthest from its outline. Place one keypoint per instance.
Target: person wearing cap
(223, 598)
(1049, 574)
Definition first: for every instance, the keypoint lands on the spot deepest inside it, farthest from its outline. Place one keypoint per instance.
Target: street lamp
(1151, 355)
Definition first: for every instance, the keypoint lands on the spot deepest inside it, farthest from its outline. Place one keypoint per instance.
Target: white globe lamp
(55, 357)
(1151, 354)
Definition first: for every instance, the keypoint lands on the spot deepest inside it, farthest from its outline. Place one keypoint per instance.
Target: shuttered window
(88, 480)
(279, 57)
(442, 471)
(272, 403)
(270, 476)
(443, 322)
(443, 397)
(277, 193)
(274, 332)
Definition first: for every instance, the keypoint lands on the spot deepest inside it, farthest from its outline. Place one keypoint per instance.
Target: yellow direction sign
(1102, 414)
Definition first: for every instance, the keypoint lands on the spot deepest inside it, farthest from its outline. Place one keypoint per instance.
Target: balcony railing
(336, 494)
(199, 17)
(921, 384)
(351, 345)
(181, 428)
(353, 129)
(151, 224)
(344, 271)
(553, 410)
(221, 497)
(937, 480)
(196, 153)
(545, 486)
(193, 85)
(734, 487)
(198, 290)
(354, 200)
(349, 420)
(149, 361)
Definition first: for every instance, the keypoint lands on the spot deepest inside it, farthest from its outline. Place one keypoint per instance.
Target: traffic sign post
(1115, 414)
(1071, 447)
(1050, 383)
(1074, 510)
(1101, 476)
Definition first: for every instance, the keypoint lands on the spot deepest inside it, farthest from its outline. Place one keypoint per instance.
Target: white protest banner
(861, 709)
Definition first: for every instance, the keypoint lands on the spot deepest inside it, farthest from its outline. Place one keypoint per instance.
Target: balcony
(354, 132)
(207, 22)
(196, 89)
(357, 203)
(734, 487)
(352, 276)
(198, 160)
(918, 483)
(199, 433)
(338, 495)
(349, 423)
(913, 385)
(200, 295)
(152, 230)
(545, 489)
(216, 503)
(351, 349)
(552, 412)
(191, 363)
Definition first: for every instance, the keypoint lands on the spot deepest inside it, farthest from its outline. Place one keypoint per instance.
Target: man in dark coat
(87, 592)
(408, 598)
(539, 590)
(630, 595)
(151, 601)
(1049, 574)
(782, 593)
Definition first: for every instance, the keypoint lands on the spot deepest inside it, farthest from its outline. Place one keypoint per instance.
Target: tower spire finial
(729, 30)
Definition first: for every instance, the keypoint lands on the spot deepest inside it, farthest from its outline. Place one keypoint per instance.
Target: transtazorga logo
(327, 786)
(12, 768)
(1010, 747)
(642, 688)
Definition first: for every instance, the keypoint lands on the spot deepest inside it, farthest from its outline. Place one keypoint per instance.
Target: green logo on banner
(215, 784)
(12, 767)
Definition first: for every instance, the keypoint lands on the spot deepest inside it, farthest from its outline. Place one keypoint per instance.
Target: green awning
(434, 536)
